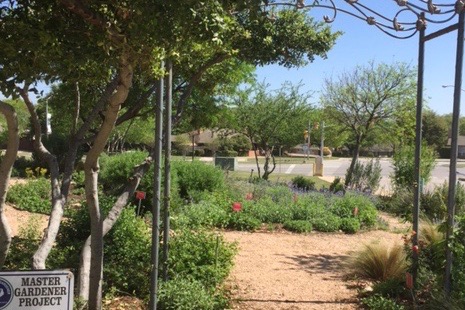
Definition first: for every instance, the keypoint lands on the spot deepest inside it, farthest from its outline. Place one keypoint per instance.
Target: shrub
(128, 244)
(378, 262)
(392, 288)
(185, 294)
(350, 225)
(243, 221)
(355, 206)
(336, 186)
(434, 203)
(303, 183)
(204, 256)
(33, 196)
(365, 178)
(298, 226)
(327, 223)
(196, 177)
(115, 171)
(204, 213)
(378, 302)
(404, 166)
(268, 211)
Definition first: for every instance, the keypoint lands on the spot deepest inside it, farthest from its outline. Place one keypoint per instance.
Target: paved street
(338, 167)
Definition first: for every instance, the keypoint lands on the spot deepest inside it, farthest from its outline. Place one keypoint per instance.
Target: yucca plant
(379, 262)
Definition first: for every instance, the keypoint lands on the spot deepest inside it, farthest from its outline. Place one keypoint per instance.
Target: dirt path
(282, 270)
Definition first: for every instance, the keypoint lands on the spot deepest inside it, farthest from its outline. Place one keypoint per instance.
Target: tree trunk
(91, 169)
(5, 173)
(58, 201)
(112, 217)
(355, 155)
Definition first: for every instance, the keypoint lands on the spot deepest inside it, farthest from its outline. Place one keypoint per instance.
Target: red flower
(236, 207)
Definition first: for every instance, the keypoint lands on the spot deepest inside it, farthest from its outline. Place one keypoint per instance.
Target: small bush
(378, 262)
(243, 221)
(298, 226)
(186, 294)
(327, 223)
(336, 186)
(365, 178)
(392, 288)
(33, 196)
(303, 183)
(378, 302)
(268, 211)
(204, 256)
(196, 177)
(350, 225)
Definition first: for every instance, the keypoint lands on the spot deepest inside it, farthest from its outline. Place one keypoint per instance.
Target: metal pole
(418, 138)
(322, 142)
(167, 189)
(156, 195)
(453, 153)
(308, 139)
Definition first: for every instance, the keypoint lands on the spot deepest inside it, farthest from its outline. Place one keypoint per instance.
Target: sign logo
(6, 293)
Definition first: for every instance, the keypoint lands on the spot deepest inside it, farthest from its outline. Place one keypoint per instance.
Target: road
(337, 168)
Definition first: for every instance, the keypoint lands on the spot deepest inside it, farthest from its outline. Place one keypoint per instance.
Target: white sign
(38, 289)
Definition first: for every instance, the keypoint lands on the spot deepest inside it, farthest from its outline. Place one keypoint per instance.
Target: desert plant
(365, 177)
(379, 262)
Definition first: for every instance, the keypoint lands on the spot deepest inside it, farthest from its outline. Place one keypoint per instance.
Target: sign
(38, 289)
(140, 195)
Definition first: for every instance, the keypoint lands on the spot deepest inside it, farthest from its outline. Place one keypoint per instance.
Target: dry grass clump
(378, 262)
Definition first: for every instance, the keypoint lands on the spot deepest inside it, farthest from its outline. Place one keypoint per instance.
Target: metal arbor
(402, 19)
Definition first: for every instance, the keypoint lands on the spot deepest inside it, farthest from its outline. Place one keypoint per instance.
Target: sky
(362, 43)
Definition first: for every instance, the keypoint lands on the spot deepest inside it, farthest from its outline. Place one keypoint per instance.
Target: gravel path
(282, 270)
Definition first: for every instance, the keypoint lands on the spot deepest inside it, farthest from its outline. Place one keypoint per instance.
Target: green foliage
(24, 245)
(355, 206)
(128, 244)
(268, 211)
(379, 302)
(237, 144)
(327, 223)
(204, 256)
(243, 221)
(185, 294)
(458, 250)
(33, 196)
(365, 177)
(303, 183)
(392, 288)
(336, 186)
(206, 213)
(21, 164)
(433, 203)
(299, 226)
(350, 225)
(196, 177)
(404, 166)
(378, 262)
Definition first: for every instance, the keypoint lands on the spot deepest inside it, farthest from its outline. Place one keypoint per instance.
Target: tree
(271, 118)
(361, 99)
(101, 50)
(6, 166)
(434, 130)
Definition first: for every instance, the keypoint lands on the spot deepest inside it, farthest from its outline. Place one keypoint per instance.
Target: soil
(283, 270)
